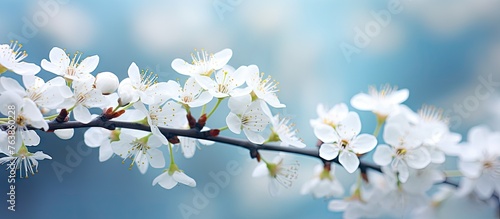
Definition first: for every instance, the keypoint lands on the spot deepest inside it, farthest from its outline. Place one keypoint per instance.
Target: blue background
(438, 50)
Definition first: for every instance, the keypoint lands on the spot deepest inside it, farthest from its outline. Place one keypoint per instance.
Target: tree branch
(103, 122)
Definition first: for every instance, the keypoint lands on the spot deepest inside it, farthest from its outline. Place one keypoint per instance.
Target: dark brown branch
(103, 122)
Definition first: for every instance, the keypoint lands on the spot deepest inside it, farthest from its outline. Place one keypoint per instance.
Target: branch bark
(103, 122)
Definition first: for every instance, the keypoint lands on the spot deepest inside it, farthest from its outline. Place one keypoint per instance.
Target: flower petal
(105, 151)
(418, 158)
(260, 171)
(363, 143)
(403, 172)
(383, 155)
(184, 179)
(134, 73)
(64, 134)
(165, 180)
(350, 126)
(253, 136)
(328, 151)
(82, 114)
(399, 96)
(89, 64)
(233, 123)
(325, 133)
(156, 158)
(349, 160)
(470, 169)
(363, 102)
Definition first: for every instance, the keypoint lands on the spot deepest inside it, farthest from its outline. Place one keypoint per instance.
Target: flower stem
(203, 109)
(223, 128)
(377, 129)
(215, 107)
(380, 122)
(453, 173)
(172, 162)
(57, 114)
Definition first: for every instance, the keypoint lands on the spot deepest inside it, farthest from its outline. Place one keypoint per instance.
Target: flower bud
(126, 96)
(106, 82)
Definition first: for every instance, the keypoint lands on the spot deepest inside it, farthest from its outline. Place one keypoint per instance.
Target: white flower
(263, 88)
(49, 95)
(250, 116)
(25, 113)
(285, 133)
(396, 199)
(25, 161)
(404, 151)
(432, 209)
(106, 82)
(4, 143)
(192, 94)
(436, 135)
(71, 69)
(278, 172)
(344, 141)
(86, 96)
(11, 59)
(324, 184)
(480, 162)
(203, 64)
(141, 147)
(227, 81)
(171, 177)
(330, 117)
(171, 114)
(143, 85)
(363, 201)
(102, 138)
(189, 145)
(64, 134)
(421, 180)
(381, 102)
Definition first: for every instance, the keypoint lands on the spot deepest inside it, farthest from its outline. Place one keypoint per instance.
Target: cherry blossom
(203, 64)
(85, 97)
(381, 102)
(106, 82)
(49, 95)
(331, 117)
(11, 59)
(141, 147)
(405, 150)
(143, 85)
(70, 68)
(227, 82)
(189, 145)
(26, 114)
(323, 184)
(102, 138)
(480, 162)
(171, 114)
(345, 141)
(25, 161)
(171, 177)
(263, 88)
(279, 173)
(251, 117)
(281, 131)
(191, 95)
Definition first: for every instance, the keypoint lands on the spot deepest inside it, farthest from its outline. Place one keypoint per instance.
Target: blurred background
(442, 51)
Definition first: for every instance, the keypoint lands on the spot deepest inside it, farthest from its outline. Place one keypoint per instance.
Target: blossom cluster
(410, 150)
(415, 145)
(144, 100)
